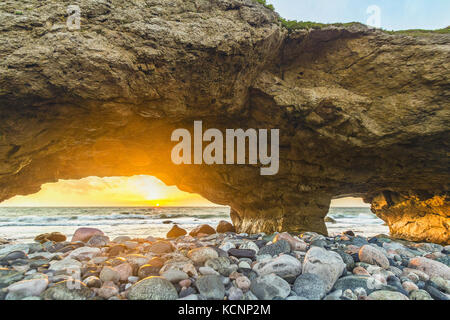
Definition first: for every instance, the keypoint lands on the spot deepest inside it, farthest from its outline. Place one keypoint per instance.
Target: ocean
(22, 224)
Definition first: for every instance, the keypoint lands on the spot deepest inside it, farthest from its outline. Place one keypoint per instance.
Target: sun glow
(139, 190)
(132, 191)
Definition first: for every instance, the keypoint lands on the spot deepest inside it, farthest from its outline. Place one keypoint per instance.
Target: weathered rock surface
(328, 265)
(361, 112)
(415, 216)
(152, 288)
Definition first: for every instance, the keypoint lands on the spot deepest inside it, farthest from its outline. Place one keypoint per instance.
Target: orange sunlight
(132, 191)
(110, 191)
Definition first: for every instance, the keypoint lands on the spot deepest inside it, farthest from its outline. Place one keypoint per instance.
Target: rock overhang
(359, 111)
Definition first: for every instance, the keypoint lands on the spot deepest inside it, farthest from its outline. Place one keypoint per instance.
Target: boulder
(84, 234)
(211, 287)
(225, 226)
(53, 236)
(284, 266)
(152, 288)
(270, 286)
(326, 264)
(201, 255)
(372, 255)
(310, 286)
(176, 232)
(202, 229)
(430, 267)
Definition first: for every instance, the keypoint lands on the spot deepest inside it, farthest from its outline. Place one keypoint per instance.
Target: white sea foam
(23, 224)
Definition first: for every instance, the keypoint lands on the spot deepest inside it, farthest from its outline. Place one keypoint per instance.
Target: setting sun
(139, 190)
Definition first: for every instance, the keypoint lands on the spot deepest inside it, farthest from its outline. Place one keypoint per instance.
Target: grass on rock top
(293, 25)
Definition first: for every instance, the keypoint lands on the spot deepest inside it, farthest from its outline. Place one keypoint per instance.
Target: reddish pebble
(185, 283)
(361, 271)
(84, 234)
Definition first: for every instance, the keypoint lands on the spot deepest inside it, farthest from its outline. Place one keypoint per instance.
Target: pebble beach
(208, 263)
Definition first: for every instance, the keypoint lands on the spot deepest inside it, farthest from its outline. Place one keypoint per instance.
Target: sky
(394, 14)
(120, 191)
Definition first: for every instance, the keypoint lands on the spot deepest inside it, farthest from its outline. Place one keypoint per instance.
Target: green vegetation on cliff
(293, 25)
(420, 32)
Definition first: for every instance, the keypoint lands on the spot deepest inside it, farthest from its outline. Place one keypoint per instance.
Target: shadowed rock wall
(360, 112)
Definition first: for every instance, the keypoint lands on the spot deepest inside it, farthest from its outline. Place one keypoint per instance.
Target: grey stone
(274, 249)
(211, 287)
(269, 286)
(153, 288)
(310, 286)
(68, 290)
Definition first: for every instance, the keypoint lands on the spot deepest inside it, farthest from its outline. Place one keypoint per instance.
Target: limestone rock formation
(415, 216)
(360, 112)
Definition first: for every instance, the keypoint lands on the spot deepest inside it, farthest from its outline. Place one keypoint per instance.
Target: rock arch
(360, 112)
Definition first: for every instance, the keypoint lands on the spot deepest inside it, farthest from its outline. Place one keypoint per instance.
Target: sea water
(23, 224)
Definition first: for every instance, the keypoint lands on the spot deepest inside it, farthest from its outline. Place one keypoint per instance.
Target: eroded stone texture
(359, 111)
(415, 216)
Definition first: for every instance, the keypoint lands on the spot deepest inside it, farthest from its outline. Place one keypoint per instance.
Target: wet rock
(284, 266)
(176, 232)
(211, 287)
(269, 286)
(310, 286)
(153, 288)
(326, 264)
(224, 227)
(84, 234)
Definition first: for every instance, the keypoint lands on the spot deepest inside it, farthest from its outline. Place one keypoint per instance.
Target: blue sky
(395, 14)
